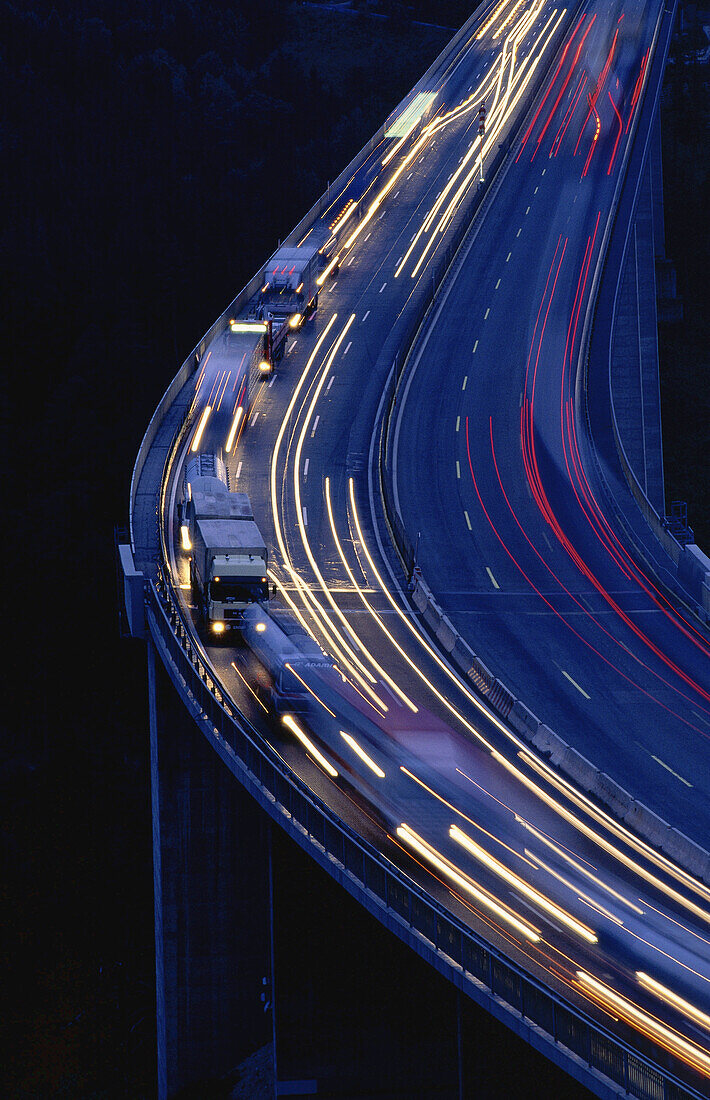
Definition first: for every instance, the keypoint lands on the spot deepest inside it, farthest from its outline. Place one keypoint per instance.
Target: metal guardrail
(295, 807)
(251, 288)
(259, 767)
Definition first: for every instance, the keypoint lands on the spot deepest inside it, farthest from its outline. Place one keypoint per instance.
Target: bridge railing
(252, 287)
(260, 769)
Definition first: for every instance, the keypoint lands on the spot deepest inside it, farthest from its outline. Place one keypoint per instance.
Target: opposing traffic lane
(532, 577)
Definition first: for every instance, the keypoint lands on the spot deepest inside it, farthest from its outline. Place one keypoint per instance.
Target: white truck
(228, 554)
(289, 295)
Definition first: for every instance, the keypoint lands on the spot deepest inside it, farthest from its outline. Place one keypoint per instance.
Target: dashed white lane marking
(293, 344)
(380, 218)
(239, 469)
(543, 171)
(519, 231)
(669, 769)
(474, 347)
(485, 316)
(383, 287)
(333, 286)
(527, 212)
(305, 516)
(520, 402)
(395, 194)
(458, 468)
(545, 536)
(410, 175)
(350, 261)
(497, 284)
(704, 720)
(458, 422)
(535, 191)
(368, 235)
(507, 258)
(464, 383)
(305, 467)
(468, 521)
(398, 262)
(253, 419)
(494, 582)
(315, 425)
(332, 379)
(575, 684)
(347, 349)
(273, 379)
(365, 317)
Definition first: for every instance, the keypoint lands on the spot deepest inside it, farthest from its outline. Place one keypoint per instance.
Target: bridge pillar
(359, 1014)
(212, 902)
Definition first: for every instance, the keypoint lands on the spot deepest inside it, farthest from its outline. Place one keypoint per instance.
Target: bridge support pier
(359, 1014)
(212, 902)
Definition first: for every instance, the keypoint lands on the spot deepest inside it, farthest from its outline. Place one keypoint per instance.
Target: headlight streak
(424, 137)
(522, 887)
(491, 19)
(320, 610)
(233, 430)
(450, 806)
(324, 274)
(671, 998)
(341, 643)
(380, 713)
(596, 838)
(249, 688)
(684, 928)
(522, 778)
(200, 428)
(291, 723)
(294, 607)
(359, 751)
(351, 576)
(577, 866)
(300, 586)
(497, 118)
(575, 889)
(505, 109)
(624, 834)
(648, 1025)
(451, 872)
(310, 690)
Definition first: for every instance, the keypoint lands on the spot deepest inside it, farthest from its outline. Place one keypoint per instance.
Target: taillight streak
(552, 84)
(562, 89)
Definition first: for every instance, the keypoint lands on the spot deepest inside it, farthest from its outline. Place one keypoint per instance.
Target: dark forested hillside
(154, 151)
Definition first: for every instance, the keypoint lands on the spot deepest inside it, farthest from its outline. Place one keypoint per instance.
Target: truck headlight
(218, 628)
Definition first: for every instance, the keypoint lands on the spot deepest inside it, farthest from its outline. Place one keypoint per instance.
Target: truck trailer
(228, 554)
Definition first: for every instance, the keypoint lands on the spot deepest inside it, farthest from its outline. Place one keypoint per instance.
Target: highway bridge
(498, 742)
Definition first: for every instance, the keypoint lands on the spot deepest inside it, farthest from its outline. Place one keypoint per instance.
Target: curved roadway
(426, 771)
